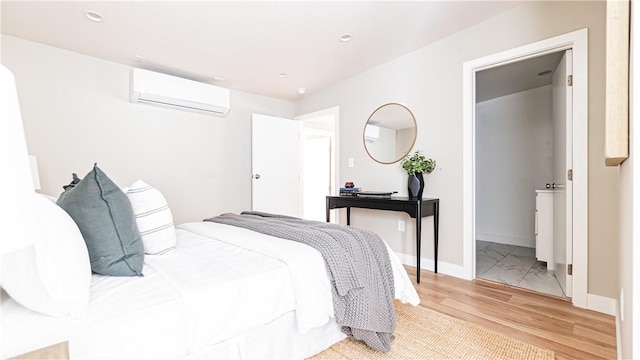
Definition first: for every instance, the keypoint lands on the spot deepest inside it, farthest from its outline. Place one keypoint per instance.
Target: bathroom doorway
(520, 148)
(577, 152)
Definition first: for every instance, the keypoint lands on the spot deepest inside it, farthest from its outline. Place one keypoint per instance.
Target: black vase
(416, 186)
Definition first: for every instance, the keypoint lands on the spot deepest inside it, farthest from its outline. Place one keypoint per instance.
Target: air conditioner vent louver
(178, 93)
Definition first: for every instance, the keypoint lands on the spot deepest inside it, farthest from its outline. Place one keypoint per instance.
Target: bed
(208, 290)
(225, 292)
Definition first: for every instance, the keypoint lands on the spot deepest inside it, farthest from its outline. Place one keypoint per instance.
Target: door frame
(578, 42)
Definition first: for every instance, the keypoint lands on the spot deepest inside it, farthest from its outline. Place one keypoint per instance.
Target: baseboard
(618, 333)
(601, 304)
(506, 239)
(427, 264)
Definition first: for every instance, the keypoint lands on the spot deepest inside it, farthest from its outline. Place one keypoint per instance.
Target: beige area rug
(422, 333)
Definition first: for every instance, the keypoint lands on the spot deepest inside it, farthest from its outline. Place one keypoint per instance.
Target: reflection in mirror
(390, 133)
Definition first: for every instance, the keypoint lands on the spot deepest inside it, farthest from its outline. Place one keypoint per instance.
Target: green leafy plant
(418, 163)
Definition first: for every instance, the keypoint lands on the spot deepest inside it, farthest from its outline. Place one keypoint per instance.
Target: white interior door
(562, 165)
(275, 165)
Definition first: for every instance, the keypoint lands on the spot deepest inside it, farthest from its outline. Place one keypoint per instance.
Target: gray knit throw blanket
(358, 267)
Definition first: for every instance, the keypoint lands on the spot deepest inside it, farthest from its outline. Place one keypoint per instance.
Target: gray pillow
(105, 218)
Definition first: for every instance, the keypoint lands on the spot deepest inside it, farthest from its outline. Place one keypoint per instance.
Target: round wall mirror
(390, 133)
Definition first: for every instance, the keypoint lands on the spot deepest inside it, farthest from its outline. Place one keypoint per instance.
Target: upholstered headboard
(44, 264)
(16, 182)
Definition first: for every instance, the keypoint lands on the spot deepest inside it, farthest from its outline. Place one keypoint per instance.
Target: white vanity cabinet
(544, 227)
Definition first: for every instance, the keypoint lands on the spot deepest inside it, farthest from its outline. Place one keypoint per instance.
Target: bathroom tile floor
(516, 266)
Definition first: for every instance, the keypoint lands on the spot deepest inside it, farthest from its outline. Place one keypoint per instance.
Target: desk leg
(348, 215)
(418, 240)
(328, 211)
(436, 221)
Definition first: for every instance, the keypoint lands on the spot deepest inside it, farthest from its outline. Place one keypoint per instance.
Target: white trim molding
(602, 304)
(506, 239)
(578, 42)
(427, 264)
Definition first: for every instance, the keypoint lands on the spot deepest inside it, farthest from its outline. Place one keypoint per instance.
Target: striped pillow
(153, 217)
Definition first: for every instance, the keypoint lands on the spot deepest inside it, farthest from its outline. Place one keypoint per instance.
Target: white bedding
(216, 293)
(314, 304)
(225, 289)
(126, 316)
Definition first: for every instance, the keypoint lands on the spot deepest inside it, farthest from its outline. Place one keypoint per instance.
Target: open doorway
(577, 150)
(319, 159)
(520, 148)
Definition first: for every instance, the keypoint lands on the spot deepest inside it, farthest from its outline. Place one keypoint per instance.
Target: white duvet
(220, 282)
(311, 287)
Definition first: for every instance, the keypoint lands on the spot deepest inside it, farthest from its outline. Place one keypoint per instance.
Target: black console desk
(416, 208)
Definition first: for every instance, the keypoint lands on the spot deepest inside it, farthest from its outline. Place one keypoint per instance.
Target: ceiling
(516, 77)
(246, 45)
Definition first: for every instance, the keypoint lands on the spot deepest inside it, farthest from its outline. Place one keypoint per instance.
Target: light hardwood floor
(540, 320)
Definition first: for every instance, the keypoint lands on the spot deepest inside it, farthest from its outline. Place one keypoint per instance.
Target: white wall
(629, 235)
(514, 158)
(76, 112)
(629, 265)
(429, 82)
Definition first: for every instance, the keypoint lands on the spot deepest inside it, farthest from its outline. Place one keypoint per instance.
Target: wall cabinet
(544, 227)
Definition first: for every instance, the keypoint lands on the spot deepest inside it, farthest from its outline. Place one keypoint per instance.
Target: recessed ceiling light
(544, 72)
(282, 75)
(346, 37)
(218, 78)
(93, 16)
(301, 91)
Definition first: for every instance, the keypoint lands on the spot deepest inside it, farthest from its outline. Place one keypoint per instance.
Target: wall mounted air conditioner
(170, 91)
(371, 133)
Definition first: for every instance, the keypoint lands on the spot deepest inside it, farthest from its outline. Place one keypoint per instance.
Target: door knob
(256, 176)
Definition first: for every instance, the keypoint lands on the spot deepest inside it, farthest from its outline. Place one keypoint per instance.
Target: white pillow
(153, 217)
(52, 276)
